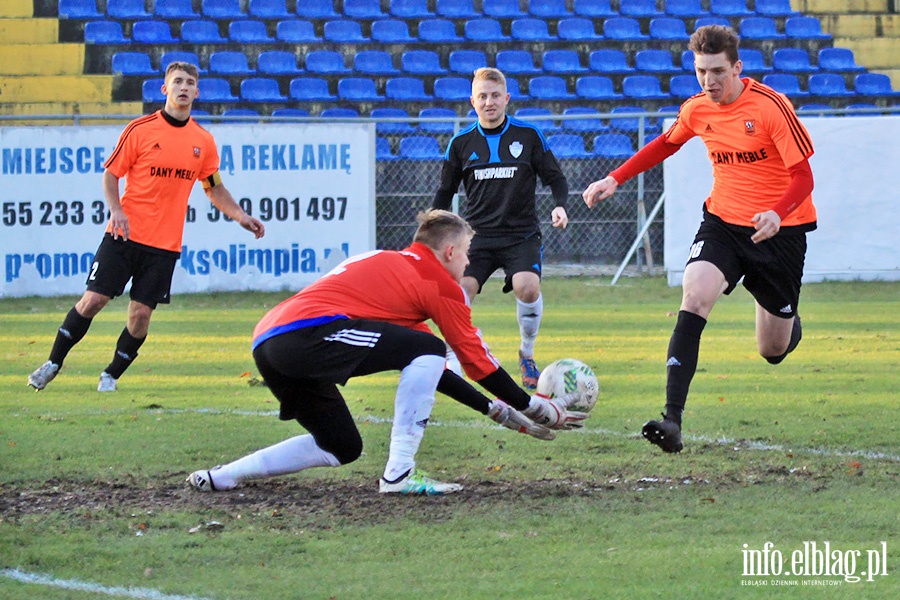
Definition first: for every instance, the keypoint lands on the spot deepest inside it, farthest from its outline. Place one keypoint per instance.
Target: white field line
(722, 441)
(91, 588)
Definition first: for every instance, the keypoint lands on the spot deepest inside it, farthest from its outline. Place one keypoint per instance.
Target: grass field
(93, 504)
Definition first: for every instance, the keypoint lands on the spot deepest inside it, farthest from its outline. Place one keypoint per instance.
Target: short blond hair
(438, 227)
(490, 74)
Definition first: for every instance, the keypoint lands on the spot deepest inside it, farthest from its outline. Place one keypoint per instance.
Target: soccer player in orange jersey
(755, 219)
(160, 156)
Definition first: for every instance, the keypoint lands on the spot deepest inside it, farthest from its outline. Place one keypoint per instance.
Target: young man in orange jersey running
(755, 219)
(160, 155)
(368, 316)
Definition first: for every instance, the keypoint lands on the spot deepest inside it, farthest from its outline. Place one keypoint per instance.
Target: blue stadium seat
(326, 62)
(531, 30)
(567, 145)
(631, 124)
(438, 31)
(214, 89)
(807, 28)
(828, 84)
(596, 87)
(838, 59)
(391, 31)
(686, 8)
(643, 87)
(624, 29)
(687, 61)
(231, 113)
(269, 9)
(277, 62)
(563, 62)
(502, 9)
(383, 150)
(613, 145)
(668, 28)
(760, 28)
(437, 127)
(593, 125)
(775, 8)
(180, 56)
(201, 32)
(340, 113)
(290, 112)
(420, 147)
(512, 86)
(344, 32)
(79, 9)
(127, 10)
(104, 32)
(516, 62)
(609, 61)
(296, 31)
(310, 89)
(374, 62)
(151, 91)
(456, 9)
(549, 87)
(249, 32)
(407, 89)
(454, 89)
(485, 30)
(684, 86)
(577, 29)
(639, 8)
(466, 62)
(792, 60)
(182, 10)
(363, 9)
(594, 9)
(222, 10)
(711, 20)
(316, 9)
(549, 9)
(873, 84)
(730, 8)
(754, 61)
(422, 62)
(229, 62)
(153, 33)
(391, 127)
(786, 83)
(545, 123)
(411, 9)
(133, 63)
(358, 89)
(655, 61)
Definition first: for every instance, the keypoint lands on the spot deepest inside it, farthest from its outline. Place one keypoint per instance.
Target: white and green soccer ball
(568, 375)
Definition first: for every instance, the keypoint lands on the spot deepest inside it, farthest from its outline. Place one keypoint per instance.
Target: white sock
(412, 407)
(529, 317)
(291, 455)
(453, 362)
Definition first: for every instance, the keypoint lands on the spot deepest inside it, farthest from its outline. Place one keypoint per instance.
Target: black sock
(796, 336)
(681, 364)
(126, 352)
(71, 331)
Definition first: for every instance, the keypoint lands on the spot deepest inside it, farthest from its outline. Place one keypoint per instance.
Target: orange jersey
(160, 163)
(752, 143)
(404, 288)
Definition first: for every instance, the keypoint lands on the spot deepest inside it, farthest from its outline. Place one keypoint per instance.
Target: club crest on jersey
(196, 152)
(515, 149)
(750, 127)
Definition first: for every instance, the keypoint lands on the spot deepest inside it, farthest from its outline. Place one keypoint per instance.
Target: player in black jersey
(498, 160)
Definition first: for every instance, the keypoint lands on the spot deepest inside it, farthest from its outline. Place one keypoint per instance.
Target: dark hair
(437, 227)
(714, 39)
(183, 66)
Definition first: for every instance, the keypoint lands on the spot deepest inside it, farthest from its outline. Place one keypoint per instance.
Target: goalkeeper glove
(506, 415)
(554, 412)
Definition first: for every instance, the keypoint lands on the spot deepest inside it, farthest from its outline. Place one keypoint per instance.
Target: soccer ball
(569, 375)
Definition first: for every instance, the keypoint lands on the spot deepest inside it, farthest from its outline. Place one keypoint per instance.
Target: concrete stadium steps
(42, 59)
(28, 31)
(22, 89)
(16, 9)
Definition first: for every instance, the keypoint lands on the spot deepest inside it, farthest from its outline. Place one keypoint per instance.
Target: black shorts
(772, 270)
(514, 254)
(150, 271)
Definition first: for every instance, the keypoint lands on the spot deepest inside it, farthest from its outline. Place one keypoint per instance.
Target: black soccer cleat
(665, 433)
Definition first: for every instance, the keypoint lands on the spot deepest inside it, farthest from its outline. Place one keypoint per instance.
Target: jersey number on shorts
(696, 249)
(94, 268)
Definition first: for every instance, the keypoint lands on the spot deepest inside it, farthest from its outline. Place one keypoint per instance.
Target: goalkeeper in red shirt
(755, 219)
